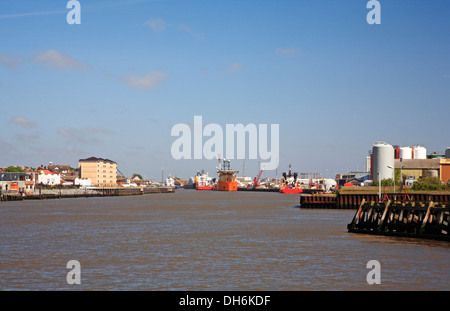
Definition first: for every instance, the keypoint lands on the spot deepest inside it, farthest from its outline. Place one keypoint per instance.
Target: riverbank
(388, 189)
(43, 194)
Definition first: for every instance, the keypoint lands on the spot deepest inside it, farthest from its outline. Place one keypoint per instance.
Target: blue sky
(116, 84)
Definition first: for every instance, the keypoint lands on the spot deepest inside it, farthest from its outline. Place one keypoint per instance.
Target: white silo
(368, 168)
(383, 161)
(405, 153)
(419, 152)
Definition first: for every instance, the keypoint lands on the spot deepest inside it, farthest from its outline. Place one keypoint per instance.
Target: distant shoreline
(44, 194)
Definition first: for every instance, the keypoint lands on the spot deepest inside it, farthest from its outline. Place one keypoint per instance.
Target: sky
(116, 84)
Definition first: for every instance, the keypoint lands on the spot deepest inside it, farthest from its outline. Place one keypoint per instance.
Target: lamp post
(379, 187)
(401, 174)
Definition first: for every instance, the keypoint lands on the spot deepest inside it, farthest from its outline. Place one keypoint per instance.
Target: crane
(256, 180)
(182, 183)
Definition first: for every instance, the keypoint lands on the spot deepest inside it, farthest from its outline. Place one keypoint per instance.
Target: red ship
(290, 182)
(198, 187)
(286, 189)
(203, 181)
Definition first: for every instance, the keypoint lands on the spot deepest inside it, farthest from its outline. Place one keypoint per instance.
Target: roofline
(94, 159)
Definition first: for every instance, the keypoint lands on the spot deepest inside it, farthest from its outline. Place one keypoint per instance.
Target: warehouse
(417, 168)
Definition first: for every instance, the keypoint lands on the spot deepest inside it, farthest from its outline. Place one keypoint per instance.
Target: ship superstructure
(227, 177)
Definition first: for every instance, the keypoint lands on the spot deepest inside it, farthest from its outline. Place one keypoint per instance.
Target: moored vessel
(227, 177)
(287, 189)
(290, 182)
(169, 182)
(203, 181)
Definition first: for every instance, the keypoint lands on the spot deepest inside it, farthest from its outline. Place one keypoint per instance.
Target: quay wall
(41, 194)
(353, 200)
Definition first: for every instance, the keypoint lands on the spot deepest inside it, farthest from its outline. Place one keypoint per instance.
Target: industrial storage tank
(419, 152)
(405, 153)
(397, 152)
(383, 161)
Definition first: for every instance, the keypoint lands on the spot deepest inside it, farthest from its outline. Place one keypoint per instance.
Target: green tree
(429, 183)
(138, 175)
(384, 182)
(14, 169)
(398, 180)
(387, 182)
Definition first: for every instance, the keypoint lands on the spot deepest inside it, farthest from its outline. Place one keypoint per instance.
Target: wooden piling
(411, 219)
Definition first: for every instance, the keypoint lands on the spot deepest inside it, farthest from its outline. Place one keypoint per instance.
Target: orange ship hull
(291, 190)
(204, 187)
(227, 186)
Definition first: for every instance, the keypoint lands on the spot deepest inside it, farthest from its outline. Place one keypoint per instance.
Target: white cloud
(28, 138)
(91, 7)
(23, 122)
(5, 146)
(234, 67)
(290, 51)
(189, 30)
(84, 135)
(158, 25)
(55, 59)
(146, 81)
(51, 59)
(31, 14)
(50, 153)
(97, 130)
(10, 61)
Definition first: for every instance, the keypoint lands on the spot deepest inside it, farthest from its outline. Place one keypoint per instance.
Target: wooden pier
(406, 219)
(11, 197)
(318, 201)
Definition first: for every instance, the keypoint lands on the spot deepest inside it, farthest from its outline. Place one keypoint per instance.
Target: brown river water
(205, 240)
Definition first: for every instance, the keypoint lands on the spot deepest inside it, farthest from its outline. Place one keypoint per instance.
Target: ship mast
(220, 164)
